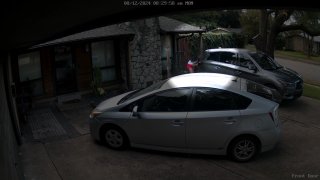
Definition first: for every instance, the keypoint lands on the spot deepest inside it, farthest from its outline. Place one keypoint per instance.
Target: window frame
(138, 102)
(23, 84)
(115, 66)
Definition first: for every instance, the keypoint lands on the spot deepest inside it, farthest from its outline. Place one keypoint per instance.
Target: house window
(103, 56)
(30, 73)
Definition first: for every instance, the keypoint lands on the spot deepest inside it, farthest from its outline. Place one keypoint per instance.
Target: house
(129, 55)
(301, 42)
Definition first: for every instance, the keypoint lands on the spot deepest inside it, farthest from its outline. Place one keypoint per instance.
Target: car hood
(286, 74)
(111, 102)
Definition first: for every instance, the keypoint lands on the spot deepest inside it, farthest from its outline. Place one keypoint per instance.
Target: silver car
(204, 113)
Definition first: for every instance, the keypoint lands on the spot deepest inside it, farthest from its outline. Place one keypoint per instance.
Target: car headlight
(94, 113)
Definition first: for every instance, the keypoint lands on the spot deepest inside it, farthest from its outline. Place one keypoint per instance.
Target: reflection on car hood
(286, 74)
(111, 102)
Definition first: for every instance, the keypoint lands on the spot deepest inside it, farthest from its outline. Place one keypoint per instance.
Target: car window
(168, 101)
(213, 56)
(245, 61)
(211, 99)
(228, 57)
(224, 57)
(266, 62)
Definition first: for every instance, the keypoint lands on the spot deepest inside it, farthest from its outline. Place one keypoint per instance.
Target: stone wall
(145, 53)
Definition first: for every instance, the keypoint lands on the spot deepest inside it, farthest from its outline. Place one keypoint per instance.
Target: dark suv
(255, 66)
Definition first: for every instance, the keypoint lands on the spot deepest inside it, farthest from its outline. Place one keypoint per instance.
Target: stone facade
(145, 53)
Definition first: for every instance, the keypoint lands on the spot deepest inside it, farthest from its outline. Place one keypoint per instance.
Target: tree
(273, 22)
(211, 19)
(249, 20)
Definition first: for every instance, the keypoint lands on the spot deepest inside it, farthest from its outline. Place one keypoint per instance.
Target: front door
(64, 70)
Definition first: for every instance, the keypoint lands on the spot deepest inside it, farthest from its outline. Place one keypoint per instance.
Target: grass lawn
(296, 55)
(311, 91)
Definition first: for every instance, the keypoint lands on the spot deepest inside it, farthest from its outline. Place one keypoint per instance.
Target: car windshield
(142, 91)
(265, 62)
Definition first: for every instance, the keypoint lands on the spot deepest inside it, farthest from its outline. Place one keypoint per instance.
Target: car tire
(115, 138)
(243, 149)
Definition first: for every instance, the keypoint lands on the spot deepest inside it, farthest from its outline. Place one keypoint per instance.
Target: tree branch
(300, 27)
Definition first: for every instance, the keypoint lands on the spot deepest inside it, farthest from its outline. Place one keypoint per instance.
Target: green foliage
(311, 91)
(249, 20)
(211, 19)
(212, 40)
(309, 19)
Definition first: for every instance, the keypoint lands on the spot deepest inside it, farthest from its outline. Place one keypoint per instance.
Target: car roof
(228, 50)
(214, 80)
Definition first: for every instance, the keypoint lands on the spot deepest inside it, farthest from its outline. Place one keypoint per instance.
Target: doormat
(44, 124)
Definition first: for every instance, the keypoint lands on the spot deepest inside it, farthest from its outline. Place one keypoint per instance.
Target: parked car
(255, 66)
(206, 113)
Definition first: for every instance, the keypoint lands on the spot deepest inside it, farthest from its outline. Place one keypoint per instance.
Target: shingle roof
(228, 30)
(166, 25)
(172, 25)
(106, 31)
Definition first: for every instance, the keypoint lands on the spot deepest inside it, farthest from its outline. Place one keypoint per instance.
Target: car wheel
(115, 138)
(243, 149)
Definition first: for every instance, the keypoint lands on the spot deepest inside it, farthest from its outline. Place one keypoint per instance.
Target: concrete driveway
(79, 157)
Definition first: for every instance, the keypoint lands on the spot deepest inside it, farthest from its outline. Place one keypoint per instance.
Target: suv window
(224, 57)
(210, 99)
(228, 57)
(168, 101)
(213, 56)
(244, 61)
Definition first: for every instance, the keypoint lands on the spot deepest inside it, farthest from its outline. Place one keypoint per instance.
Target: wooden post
(201, 47)
(168, 63)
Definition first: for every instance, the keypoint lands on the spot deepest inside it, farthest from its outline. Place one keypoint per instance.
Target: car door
(160, 119)
(212, 120)
(248, 70)
(211, 63)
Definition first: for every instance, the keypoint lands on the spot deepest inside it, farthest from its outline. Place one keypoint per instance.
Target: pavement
(310, 71)
(77, 156)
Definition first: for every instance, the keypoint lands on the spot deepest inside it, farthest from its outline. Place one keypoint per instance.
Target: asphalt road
(309, 72)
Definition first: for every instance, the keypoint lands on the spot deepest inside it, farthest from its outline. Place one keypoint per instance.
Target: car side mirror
(135, 112)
